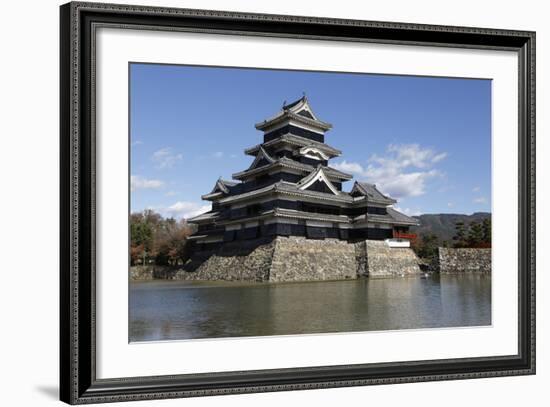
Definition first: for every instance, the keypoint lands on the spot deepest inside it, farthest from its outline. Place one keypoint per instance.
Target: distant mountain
(443, 224)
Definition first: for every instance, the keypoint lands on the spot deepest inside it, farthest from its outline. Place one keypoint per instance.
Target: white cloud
(476, 189)
(410, 155)
(480, 200)
(450, 204)
(171, 193)
(166, 158)
(402, 172)
(137, 182)
(437, 158)
(185, 209)
(408, 211)
(137, 143)
(217, 154)
(352, 167)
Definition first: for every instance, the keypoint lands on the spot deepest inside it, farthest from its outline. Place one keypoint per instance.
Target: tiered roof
(284, 162)
(221, 188)
(371, 192)
(293, 140)
(302, 156)
(300, 112)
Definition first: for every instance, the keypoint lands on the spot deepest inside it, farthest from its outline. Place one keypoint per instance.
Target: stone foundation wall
(301, 259)
(361, 265)
(234, 261)
(278, 260)
(376, 259)
(454, 261)
(284, 259)
(152, 272)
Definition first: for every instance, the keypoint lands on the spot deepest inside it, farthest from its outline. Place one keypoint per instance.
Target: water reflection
(162, 310)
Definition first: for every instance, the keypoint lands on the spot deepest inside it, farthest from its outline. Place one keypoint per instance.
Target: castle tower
(290, 189)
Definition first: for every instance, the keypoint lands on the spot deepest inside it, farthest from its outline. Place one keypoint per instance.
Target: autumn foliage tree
(157, 240)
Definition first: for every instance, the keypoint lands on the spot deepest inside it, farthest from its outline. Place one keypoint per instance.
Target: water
(167, 310)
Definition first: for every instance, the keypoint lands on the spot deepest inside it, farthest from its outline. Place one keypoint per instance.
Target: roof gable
(314, 178)
(313, 152)
(371, 192)
(298, 111)
(305, 113)
(301, 107)
(262, 158)
(220, 189)
(401, 217)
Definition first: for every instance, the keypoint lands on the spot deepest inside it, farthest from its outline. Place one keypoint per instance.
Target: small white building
(397, 242)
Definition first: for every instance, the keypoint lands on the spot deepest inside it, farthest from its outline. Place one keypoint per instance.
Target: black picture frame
(78, 382)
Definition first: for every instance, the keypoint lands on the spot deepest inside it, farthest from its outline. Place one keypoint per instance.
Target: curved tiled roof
(293, 139)
(289, 163)
(261, 154)
(220, 188)
(207, 216)
(286, 114)
(292, 111)
(303, 99)
(401, 217)
(371, 192)
(392, 217)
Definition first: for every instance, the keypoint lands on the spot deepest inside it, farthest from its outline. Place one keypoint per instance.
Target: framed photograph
(254, 203)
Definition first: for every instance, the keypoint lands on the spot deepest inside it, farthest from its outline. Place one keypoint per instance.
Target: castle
(291, 190)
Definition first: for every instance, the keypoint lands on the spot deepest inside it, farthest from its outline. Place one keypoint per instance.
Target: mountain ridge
(442, 225)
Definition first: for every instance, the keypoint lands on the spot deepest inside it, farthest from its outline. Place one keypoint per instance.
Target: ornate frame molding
(78, 382)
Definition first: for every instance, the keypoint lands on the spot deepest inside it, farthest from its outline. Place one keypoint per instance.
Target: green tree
(486, 231)
(141, 240)
(141, 234)
(460, 234)
(428, 246)
(475, 234)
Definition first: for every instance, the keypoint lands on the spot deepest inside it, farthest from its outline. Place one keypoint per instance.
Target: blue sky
(425, 141)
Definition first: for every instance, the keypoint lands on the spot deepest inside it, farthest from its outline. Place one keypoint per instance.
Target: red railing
(401, 235)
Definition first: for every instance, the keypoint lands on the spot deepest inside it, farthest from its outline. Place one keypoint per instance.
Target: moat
(171, 310)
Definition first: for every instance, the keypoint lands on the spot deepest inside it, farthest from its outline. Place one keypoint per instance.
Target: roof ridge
(372, 194)
(292, 104)
(228, 182)
(266, 155)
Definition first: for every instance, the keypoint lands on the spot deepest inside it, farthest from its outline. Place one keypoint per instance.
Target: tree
(141, 234)
(460, 234)
(162, 241)
(428, 246)
(475, 234)
(486, 231)
(141, 240)
(137, 254)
